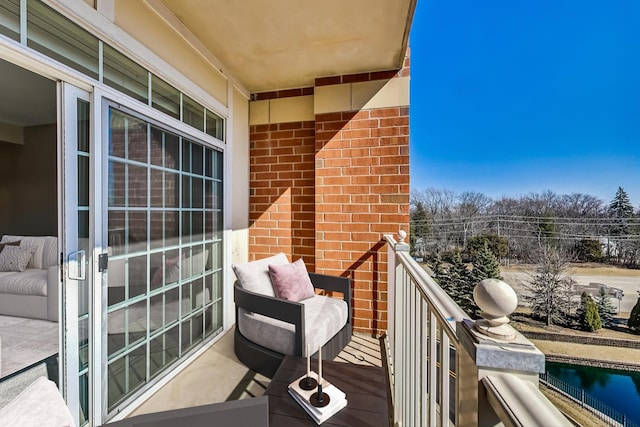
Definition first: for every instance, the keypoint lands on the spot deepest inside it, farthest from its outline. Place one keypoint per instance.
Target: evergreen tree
(634, 317)
(621, 210)
(457, 281)
(605, 307)
(485, 265)
(620, 206)
(589, 250)
(583, 303)
(590, 319)
(498, 245)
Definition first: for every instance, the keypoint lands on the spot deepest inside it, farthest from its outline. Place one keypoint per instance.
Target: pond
(620, 390)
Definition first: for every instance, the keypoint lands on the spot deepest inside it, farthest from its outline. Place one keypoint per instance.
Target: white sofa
(32, 293)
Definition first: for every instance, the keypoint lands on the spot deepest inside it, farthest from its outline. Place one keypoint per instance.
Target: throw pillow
(15, 258)
(254, 276)
(2, 245)
(291, 281)
(169, 265)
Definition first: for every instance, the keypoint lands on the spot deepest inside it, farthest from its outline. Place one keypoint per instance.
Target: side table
(366, 388)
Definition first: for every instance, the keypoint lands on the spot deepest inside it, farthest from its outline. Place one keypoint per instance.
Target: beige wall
(160, 38)
(239, 169)
(28, 184)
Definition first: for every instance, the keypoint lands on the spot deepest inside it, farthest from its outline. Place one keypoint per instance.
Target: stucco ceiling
(281, 44)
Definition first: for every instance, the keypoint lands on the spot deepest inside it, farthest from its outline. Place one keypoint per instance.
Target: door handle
(76, 262)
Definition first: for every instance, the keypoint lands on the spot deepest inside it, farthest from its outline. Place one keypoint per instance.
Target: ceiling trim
(183, 31)
(407, 32)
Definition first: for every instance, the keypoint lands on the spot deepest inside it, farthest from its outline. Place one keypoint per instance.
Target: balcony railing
(444, 371)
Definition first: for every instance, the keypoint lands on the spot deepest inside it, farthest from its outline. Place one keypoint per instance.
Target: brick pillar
(282, 211)
(362, 193)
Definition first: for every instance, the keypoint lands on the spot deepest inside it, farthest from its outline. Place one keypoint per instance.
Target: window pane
(186, 192)
(123, 74)
(136, 140)
(156, 230)
(186, 156)
(117, 135)
(54, 35)
(117, 184)
(171, 151)
(10, 19)
(196, 159)
(215, 125)
(137, 178)
(83, 126)
(83, 184)
(156, 191)
(217, 165)
(165, 97)
(171, 190)
(117, 233)
(192, 113)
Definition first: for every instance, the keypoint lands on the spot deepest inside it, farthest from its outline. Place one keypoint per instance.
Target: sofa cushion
(323, 318)
(254, 276)
(32, 281)
(16, 258)
(291, 281)
(46, 253)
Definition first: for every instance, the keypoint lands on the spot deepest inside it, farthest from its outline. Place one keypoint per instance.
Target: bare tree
(471, 205)
(549, 290)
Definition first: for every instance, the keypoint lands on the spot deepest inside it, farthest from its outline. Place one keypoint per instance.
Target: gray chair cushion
(254, 276)
(323, 318)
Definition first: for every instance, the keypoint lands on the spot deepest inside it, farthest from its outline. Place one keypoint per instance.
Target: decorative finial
(497, 300)
(402, 235)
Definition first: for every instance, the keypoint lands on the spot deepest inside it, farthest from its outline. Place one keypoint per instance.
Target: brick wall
(281, 211)
(328, 189)
(362, 193)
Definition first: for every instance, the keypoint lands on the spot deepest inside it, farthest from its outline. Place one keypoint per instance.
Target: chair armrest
(276, 308)
(331, 283)
(336, 284)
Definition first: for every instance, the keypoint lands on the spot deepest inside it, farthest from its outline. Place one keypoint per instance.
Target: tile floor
(218, 376)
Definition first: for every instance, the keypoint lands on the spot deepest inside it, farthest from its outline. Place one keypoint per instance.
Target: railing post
(493, 347)
(396, 292)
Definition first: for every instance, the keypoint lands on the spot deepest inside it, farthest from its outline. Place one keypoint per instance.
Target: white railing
(438, 361)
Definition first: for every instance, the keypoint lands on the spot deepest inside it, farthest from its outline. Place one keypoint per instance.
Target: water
(618, 389)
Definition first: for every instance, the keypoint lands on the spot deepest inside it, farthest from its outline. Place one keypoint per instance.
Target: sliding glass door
(142, 251)
(164, 233)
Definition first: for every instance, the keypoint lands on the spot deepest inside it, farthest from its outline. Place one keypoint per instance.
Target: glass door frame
(76, 267)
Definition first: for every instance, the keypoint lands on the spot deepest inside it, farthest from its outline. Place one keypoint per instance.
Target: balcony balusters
(435, 351)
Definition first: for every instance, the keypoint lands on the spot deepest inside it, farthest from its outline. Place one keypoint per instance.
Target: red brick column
(282, 195)
(362, 193)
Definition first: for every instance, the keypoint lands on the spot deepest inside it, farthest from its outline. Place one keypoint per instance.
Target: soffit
(269, 45)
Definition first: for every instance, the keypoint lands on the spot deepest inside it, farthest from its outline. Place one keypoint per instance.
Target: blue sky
(514, 97)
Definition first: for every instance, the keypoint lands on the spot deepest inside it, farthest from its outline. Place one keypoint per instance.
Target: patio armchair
(268, 327)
